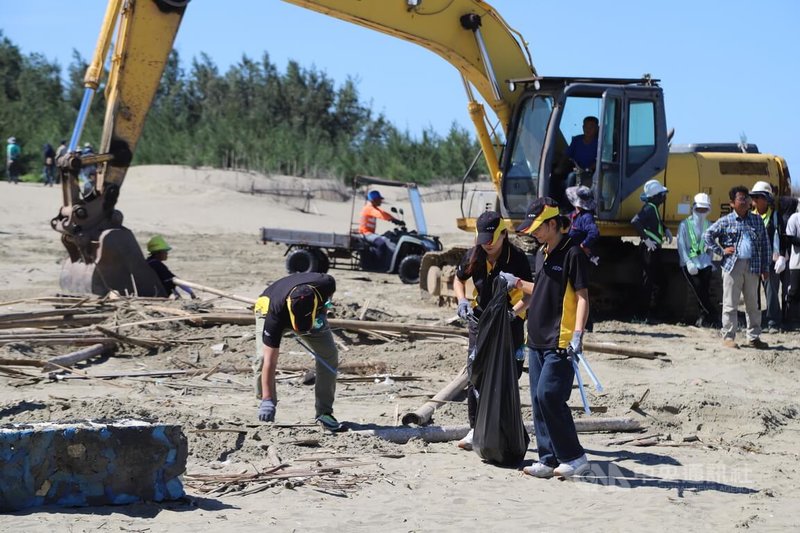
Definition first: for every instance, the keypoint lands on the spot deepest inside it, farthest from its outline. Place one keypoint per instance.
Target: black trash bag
(500, 435)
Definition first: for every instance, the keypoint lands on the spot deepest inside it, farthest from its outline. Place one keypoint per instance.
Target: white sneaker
(539, 470)
(573, 468)
(466, 442)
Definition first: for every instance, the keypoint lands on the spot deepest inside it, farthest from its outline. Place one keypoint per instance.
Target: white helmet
(12, 140)
(761, 187)
(653, 188)
(702, 200)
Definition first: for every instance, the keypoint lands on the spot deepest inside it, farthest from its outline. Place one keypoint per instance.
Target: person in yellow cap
(559, 308)
(158, 249)
(482, 263)
(297, 303)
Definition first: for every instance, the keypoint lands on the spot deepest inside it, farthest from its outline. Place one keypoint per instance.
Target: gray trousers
(740, 282)
(321, 342)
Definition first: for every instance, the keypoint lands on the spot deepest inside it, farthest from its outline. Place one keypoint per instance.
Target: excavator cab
(631, 147)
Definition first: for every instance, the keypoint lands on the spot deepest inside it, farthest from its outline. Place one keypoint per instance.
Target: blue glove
(464, 309)
(576, 344)
(511, 279)
(266, 411)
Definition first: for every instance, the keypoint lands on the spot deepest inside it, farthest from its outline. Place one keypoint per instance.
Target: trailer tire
(408, 270)
(323, 263)
(301, 260)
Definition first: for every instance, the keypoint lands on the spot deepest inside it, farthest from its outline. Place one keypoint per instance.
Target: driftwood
(423, 414)
(619, 350)
(71, 358)
(47, 322)
(375, 367)
(21, 362)
(402, 435)
(130, 340)
(212, 290)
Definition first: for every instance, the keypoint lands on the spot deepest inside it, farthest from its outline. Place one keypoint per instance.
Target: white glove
(780, 265)
(650, 244)
(668, 234)
(691, 268)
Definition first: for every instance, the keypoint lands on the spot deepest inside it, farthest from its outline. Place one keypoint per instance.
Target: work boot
(757, 344)
(575, 467)
(730, 343)
(466, 442)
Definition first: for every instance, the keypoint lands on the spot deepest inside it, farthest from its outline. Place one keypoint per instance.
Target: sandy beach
(725, 454)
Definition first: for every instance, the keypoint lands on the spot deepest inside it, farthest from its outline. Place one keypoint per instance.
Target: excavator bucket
(119, 265)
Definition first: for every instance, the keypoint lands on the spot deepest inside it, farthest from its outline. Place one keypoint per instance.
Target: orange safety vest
(369, 214)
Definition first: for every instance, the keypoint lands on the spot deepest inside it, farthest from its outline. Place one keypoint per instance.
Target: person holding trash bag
(499, 435)
(491, 254)
(557, 315)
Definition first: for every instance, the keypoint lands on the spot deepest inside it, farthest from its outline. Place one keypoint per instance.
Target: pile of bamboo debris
(98, 326)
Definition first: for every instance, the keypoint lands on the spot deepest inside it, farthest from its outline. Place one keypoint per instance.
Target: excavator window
(641, 134)
(521, 180)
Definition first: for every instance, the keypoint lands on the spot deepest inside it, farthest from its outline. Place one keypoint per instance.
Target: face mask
(699, 217)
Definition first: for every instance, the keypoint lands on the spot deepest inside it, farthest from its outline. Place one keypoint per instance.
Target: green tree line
(298, 122)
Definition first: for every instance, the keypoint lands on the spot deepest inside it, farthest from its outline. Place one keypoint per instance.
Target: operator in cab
(370, 214)
(582, 151)
(299, 303)
(158, 249)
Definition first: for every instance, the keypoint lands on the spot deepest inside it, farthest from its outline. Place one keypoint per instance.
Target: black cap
(303, 305)
(540, 210)
(488, 227)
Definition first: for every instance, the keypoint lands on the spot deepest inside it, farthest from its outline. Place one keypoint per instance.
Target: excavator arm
(468, 34)
(103, 254)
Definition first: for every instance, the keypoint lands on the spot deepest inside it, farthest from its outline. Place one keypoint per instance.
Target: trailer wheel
(323, 263)
(301, 260)
(409, 269)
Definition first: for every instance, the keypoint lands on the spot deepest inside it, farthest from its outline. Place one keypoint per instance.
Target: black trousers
(653, 282)
(518, 334)
(701, 287)
(791, 306)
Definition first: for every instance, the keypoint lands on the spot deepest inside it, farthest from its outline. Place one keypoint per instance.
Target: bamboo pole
(402, 435)
(423, 415)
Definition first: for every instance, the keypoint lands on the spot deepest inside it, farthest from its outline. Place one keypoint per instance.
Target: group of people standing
(14, 166)
(753, 240)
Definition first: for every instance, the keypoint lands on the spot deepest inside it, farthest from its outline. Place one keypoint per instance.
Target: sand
(727, 457)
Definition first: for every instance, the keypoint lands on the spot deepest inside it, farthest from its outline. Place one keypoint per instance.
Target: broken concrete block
(90, 463)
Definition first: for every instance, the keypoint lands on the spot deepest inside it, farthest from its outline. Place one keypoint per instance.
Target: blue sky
(726, 67)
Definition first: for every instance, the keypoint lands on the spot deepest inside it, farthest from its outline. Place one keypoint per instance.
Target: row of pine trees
(297, 122)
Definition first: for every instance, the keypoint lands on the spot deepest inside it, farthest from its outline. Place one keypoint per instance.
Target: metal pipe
(487, 61)
(80, 122)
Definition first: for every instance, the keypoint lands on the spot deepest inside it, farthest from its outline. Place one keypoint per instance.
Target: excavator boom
(468, 34)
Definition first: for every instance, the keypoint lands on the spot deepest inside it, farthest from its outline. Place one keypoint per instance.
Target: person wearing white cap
(764, 207)
(653, 233)
(13, 156)
(695, 260)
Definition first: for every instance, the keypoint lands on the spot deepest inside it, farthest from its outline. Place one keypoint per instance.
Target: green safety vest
(659, 238)
(696, 246)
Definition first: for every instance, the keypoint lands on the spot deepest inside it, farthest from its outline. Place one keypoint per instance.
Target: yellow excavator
(524, 155)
